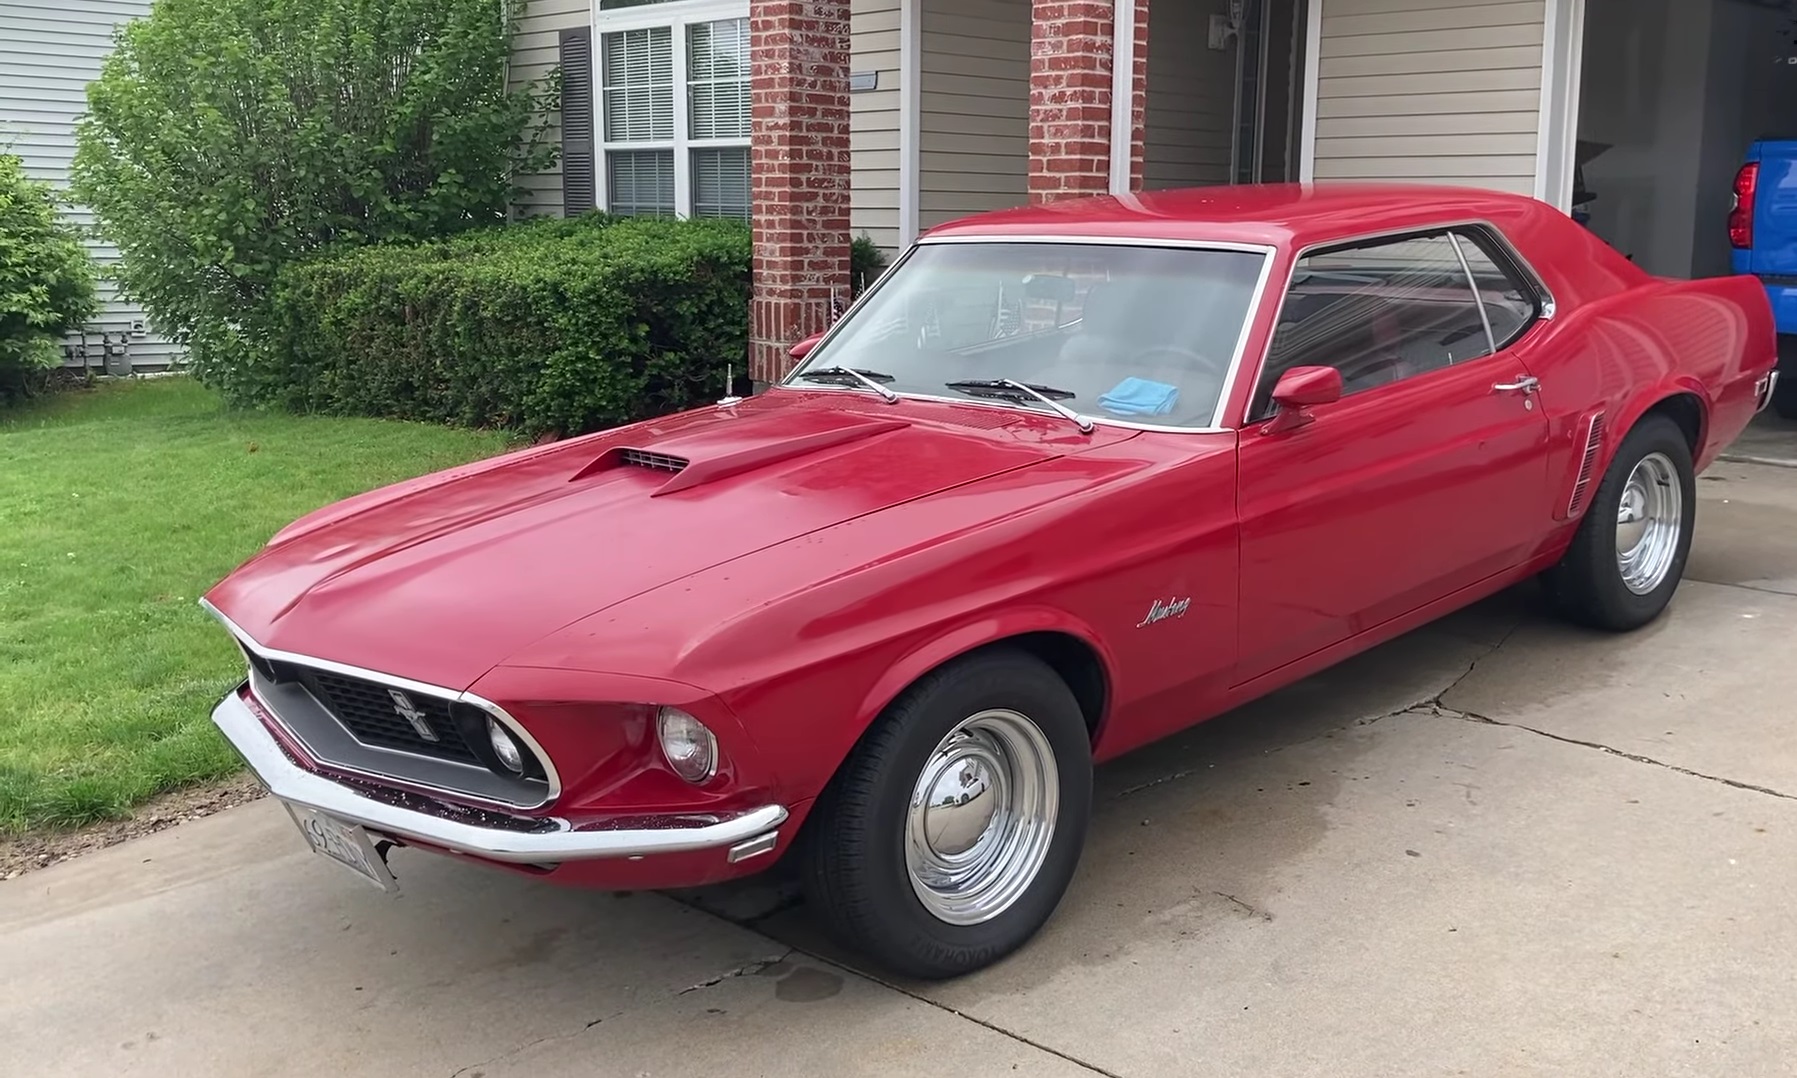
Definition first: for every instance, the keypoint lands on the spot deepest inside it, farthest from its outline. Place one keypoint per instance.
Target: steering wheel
(1171, 355)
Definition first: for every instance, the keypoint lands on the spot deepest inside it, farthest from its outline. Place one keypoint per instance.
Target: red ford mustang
(1067, 480)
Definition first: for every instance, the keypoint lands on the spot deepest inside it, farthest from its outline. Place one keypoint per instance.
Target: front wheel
(954, 827)
(1629, 553)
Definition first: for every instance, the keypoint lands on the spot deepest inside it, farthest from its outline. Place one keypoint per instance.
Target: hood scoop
(715, 453)
(657, 462)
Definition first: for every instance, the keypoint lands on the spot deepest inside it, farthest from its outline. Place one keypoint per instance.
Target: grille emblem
(403, 704)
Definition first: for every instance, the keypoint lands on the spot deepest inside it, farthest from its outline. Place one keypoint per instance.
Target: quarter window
(1510, 305)
(1379, 313)
(673, 119)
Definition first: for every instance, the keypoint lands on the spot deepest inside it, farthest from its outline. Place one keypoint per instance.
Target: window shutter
(579, 192)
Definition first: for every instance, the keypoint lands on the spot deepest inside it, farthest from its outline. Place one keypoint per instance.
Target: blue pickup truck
(1762, 228)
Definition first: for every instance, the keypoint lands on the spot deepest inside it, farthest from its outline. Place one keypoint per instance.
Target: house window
(673, 115)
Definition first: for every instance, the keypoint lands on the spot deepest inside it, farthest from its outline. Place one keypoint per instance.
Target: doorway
(1224, 92)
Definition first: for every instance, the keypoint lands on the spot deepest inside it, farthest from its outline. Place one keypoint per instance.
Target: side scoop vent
(659, 462)
(1581, 487)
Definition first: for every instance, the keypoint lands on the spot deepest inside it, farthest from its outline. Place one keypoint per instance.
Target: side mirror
(1299, 389)
(803, 348)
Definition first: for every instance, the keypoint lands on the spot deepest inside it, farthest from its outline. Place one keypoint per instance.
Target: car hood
(440, 579)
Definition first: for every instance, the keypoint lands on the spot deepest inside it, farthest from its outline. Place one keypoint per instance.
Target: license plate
(345, 843)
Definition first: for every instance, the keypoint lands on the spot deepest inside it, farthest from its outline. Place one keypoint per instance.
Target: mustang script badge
(1164, 609)
(409, 712)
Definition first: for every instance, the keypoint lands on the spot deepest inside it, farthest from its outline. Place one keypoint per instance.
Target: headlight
(505, 746)
(691, 749)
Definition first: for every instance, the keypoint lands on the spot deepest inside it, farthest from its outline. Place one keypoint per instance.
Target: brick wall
(1070, 97)
(800, 160)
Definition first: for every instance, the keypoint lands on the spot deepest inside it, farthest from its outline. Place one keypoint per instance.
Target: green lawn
(119, 507)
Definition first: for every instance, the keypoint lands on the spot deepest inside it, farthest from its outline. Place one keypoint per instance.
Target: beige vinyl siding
(1439, 91)
(49, 51)
(974, 138)
(874, 122)
(1191, 98)
(536, 51)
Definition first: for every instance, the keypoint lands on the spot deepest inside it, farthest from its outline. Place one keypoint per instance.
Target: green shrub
(866, 263)
(226, 139)
(551, 326)
(46, 280)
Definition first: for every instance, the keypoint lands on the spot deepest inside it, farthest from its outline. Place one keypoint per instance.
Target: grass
(119, 507)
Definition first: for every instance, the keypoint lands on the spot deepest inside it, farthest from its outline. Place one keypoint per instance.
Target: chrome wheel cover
(1648, 520)
(982, 817)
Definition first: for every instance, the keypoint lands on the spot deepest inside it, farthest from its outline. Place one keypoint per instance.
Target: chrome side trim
(1236, 359)
(294, 784)
(553, 779)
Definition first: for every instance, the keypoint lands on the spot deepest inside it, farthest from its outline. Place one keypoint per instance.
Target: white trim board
(1313, 46)
(910, 178)
(1562, 65)
(1123, 94)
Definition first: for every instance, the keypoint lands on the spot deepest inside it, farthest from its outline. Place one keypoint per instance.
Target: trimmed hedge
(554, 326)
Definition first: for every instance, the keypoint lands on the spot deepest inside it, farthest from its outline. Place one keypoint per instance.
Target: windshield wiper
(870, 379)
(1010, 389)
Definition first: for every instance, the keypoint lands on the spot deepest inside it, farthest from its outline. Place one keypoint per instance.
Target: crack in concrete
(1151, 783)
(1743, 587)
(547, 1038)
(748, 970)
(1475, 717)
(1247, 908)
(963, 1015)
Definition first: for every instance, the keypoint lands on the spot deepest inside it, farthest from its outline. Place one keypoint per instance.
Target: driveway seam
(1000, 1030)
(1474, 717)
(1743, 587)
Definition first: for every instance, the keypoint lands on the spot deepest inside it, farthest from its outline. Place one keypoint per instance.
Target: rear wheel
(1784, 395)
(1629, 553)
(953, 829)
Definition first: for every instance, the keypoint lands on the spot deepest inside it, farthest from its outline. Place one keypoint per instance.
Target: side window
(1378, 312)
(1510, 304)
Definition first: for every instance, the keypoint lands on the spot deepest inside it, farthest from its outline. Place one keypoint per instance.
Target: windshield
(1141, 334)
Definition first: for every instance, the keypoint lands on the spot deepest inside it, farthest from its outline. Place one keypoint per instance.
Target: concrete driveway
(1496, 846)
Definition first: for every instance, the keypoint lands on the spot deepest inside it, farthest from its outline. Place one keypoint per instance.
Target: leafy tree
(46, 279)
(226, 139)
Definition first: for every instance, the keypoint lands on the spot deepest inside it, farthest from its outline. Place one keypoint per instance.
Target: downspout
(1123, 93)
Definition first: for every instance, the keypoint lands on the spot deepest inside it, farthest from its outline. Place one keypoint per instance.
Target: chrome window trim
(1236, 360)
(551, 776)
(1544, 298)
(1472, 284)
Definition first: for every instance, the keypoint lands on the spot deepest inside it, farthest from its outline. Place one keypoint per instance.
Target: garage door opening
(1671, 94)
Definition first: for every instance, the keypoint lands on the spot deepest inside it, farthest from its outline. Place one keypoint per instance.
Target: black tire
(1784, 395)
(1588, 584)
(855, 868)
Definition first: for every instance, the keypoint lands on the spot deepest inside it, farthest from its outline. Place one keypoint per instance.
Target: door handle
(1524, 384)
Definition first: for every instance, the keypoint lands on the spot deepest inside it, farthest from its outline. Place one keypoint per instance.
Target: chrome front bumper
(751, 833)
(1763, 391)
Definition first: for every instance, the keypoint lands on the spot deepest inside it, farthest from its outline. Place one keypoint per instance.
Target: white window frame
(678, 15)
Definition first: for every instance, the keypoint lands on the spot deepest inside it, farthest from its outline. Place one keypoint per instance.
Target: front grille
(370, 711)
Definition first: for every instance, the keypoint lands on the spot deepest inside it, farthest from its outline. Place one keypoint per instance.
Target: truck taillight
(1740, 215)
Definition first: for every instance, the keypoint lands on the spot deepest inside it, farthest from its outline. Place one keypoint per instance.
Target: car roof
(1282, 215)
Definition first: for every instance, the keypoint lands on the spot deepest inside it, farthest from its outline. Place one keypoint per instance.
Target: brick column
(1070, 97)
(799, 68)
